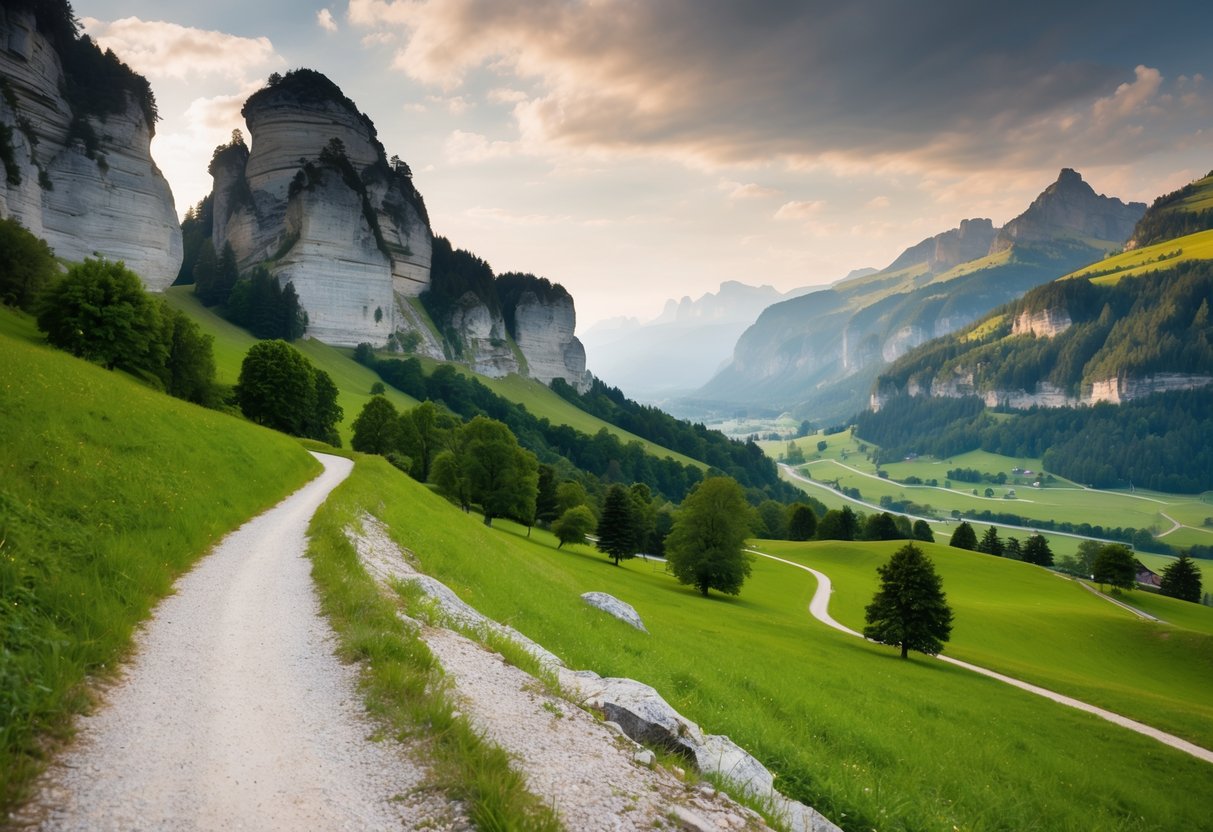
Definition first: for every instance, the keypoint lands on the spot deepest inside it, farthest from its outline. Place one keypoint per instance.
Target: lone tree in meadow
(1115, 566)
(910, 608)
(617, 528)
(1182, 579)
(573, 525)
(964, 537)
(704, 548)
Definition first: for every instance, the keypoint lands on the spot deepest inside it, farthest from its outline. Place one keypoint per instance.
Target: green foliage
(964, 537)
(109, 492)
(27, 265)
(454, 273)
(502, 477)
(881, 526)
(377, 428)
(574, 525)
(1037, 550)
(195, 231)
(921, 530)
(704, 548)
(189, 364)
(99, 311)
(910, 609)
(264, 307)
(1182, 579)
(1168, 218)
(1115, 566)
(838, 524)
(802, 522)
(280, 389)
(990, 543)
(616, 531)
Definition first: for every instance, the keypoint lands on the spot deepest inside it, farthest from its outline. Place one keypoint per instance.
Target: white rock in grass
(613, 606)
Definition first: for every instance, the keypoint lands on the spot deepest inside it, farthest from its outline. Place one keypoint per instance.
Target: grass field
(872, 741)
(1034, 625)
(108, 492)
(1197, 246)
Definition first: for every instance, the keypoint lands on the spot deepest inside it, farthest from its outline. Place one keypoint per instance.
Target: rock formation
(1070, 207)
(316, 201)
(611, 605)
(79, 172)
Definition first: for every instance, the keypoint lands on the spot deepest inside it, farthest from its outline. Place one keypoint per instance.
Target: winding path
(819, 609)
(235, 713)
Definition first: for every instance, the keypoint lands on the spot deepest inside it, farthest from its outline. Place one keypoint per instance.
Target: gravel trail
(235, 713)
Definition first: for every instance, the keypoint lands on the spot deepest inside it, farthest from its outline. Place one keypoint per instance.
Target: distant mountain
(681, 348)
(818, 354)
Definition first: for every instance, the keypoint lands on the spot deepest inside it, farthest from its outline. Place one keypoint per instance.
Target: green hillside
(1186, 211)
(108, 492)
(870, 740)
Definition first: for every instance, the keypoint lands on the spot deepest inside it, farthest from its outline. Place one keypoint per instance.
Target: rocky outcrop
(1044, 323)
(968, 241)
(83, 181)
(1046, 394)
(316, 199)
(611, 605)
(543, 331)
(483, 341)
(1070, 207)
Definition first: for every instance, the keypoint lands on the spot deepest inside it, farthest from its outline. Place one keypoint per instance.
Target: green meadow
(108, 492)
(1139, 261)
(869, 739)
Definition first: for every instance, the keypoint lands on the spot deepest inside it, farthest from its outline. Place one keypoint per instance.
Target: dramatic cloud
(159, 49)
(908, 86)
(324, 19)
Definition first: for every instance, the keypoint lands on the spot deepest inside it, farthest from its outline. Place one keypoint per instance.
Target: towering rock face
(80, 175)
(317, 201)
(968, 241)
(543, 331)
(1070, 207)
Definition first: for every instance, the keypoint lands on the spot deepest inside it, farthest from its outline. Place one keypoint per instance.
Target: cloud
(473, 148)
(799, 210)
(378, 39)
(503, 95)
(737, 190)
(878, 203)
(841, 87)
(159, 49)
(324, 19)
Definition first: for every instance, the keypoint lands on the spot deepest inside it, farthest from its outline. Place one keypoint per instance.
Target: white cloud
(324, 19)
(473, 148)
(378, 39)
(504, 95)
(159, 49)
(799, 209)
(878, 203)
(750, 190)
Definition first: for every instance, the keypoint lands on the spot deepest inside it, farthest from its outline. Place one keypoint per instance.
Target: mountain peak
(1070, 208)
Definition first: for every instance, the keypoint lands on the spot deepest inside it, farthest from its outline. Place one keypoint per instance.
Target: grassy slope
(354, 381)
(1034, 625)
(870, 740)
(231, 343)
(108, 492)
(1139, 261)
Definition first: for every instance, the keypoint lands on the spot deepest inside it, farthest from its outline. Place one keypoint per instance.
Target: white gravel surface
(235, 714)
(587, 770)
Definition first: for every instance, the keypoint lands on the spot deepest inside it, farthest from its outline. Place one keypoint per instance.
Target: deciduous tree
(573, 525)
(1115, 566)
(802, 522)
(704, 548)
(27, 265)
(910, 609)
(922, 531)
(377, 428)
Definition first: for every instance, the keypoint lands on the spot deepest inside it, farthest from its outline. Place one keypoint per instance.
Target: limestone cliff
(541, 318)
(1070, 207)
(75, 130)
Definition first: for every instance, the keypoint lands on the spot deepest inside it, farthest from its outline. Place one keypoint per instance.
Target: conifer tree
(1182, 579)
(910, 609)
(616, 528)
(990, 544)
(964, 537)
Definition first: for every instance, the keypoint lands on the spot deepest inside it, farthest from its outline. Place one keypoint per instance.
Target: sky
(639, 150)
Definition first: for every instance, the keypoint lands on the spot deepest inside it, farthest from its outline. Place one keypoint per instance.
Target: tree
(280, 389)
(377, 428)
(1011, 550)
(1182, 579)
(922, 531)
(99, 311)
(1036, 550)
(570, 494)
(910, 609)
(573, 525)
(644, 515)
(1115, 566)
(802, 522)
(990, 544)
(772, 520)
(206, 274)
(881, 527)
(502, 477)
(704, 548)
(964, 537)
(27, 265)
(189, 365)
(616, 529)
(433, 427)
(545, 499)
(838, 524)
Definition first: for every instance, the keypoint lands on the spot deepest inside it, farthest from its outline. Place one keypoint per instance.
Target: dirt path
(819, 609)
(234, 713)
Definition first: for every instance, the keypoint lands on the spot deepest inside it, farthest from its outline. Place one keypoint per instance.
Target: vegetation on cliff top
(1177, 214)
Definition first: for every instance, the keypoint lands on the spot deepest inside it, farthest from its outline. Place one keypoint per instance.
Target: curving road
(819, 609)
(235, 713)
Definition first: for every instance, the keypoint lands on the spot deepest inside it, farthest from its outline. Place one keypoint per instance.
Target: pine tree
(1036, 550)
(616, 529)
(1182, 579)
(910, 609)
(989, 543)
(964, 537)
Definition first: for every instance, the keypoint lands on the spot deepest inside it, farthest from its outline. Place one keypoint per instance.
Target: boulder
(613, 606)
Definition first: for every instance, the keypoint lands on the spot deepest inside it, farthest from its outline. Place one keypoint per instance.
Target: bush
(27, 265)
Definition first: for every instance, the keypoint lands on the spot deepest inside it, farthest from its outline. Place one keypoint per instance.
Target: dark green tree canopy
(922, 531)
(377, 428)
(964, 537)
(1182, 579)
(704, 548)
(27, 265)
(990, 543)
(1115, 566)
(1036, 550)
(280, 389)
(910, 609)
(881, 526)
(802, 522)
(616, 530)
(838, 524)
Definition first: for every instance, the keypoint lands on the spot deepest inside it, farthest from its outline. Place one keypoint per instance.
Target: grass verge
(403, 683)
